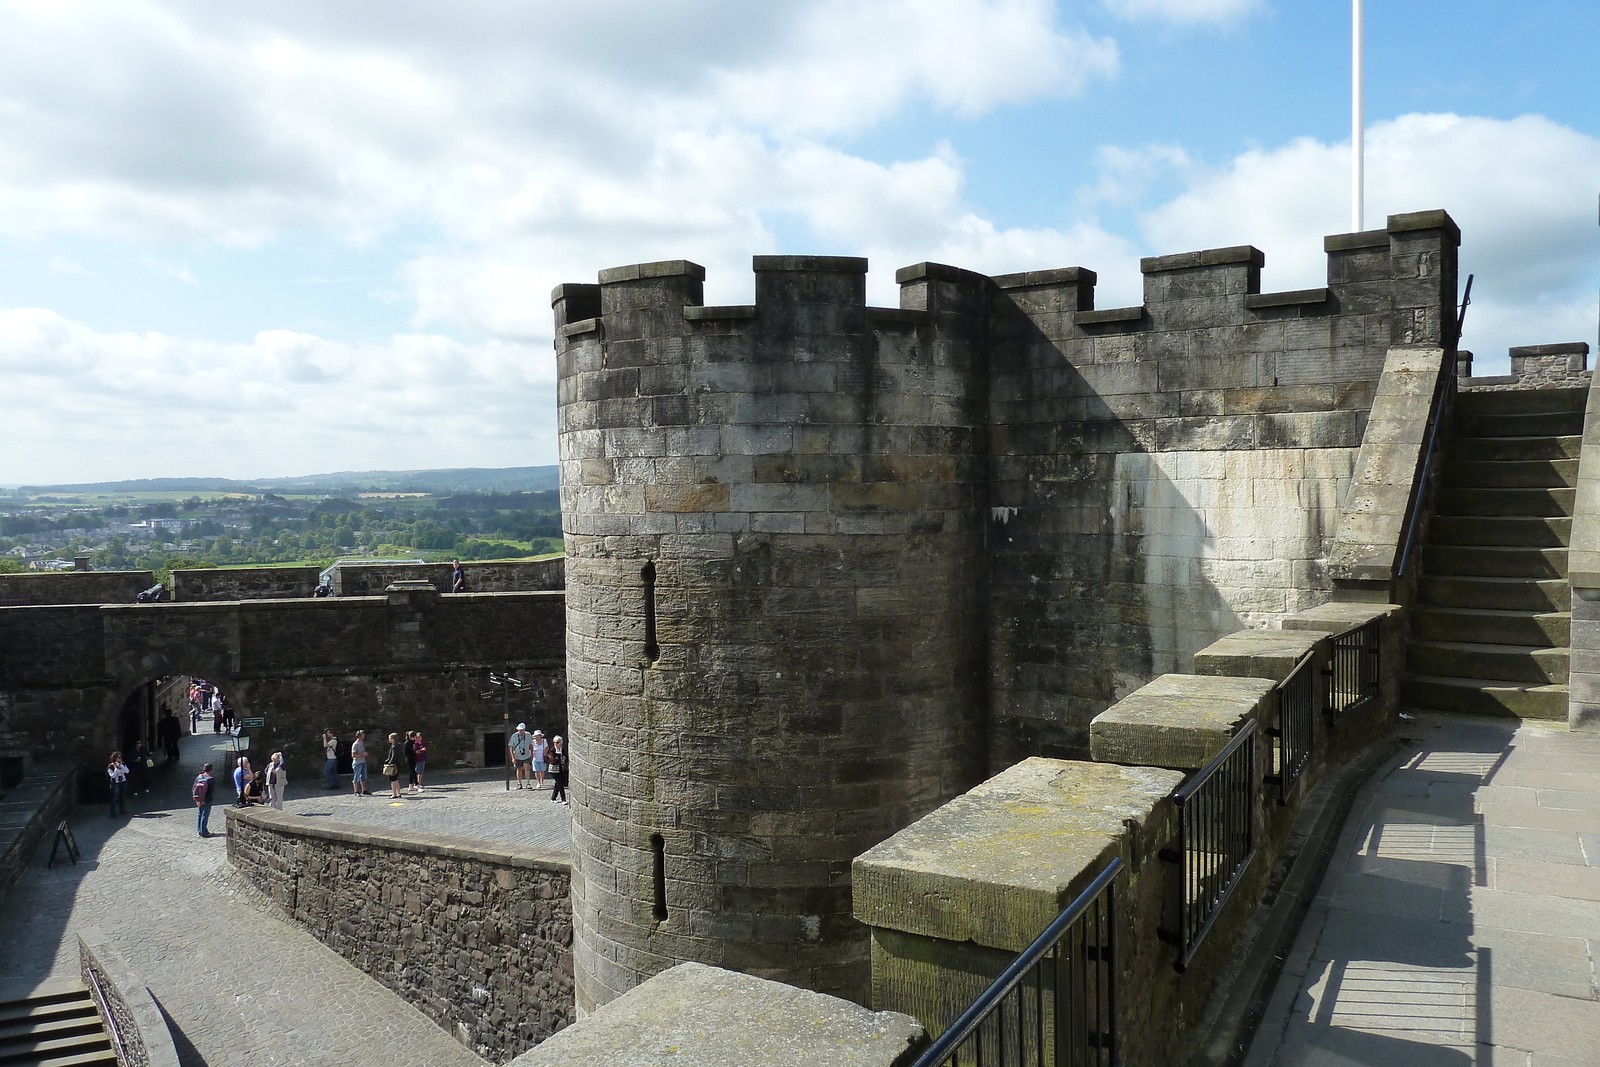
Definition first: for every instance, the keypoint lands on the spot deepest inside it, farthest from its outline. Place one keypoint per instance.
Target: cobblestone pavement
(240, 985)
(1459, 922)
(470, 804)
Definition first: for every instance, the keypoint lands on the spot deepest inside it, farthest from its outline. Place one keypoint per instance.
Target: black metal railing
(1056, 1004)
(1294, 735)
(1353, 669)
(1216, 839)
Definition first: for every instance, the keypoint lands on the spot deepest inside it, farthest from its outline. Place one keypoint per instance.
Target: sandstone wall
(475, 934)
(502, 576)
(1161, 475)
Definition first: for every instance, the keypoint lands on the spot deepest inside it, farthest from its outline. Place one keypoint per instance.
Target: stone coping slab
(997, 864)
(439, 845)
(1178, 720)
(1269, 654)
(132, 1006)
(701, 1016)
(1338, 617)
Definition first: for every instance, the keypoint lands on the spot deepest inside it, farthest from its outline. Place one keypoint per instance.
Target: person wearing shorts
(540, 747)
(520, 749)
(358, 765)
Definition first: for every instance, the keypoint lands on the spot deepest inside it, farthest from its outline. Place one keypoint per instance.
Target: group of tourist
(406, 755)
(265, 786)
(533, 756)
(206, 699)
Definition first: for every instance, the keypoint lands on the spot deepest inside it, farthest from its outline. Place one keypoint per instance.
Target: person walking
(540, 747)
(391, 764)
(277, 781)
(203, 787)
(557, 759)
(521, 751)
(330, 759)
(216, 711)
(418, 758)
(167, 732)
(358, 765)
(117, 771)
(242, 777)
(458, 577)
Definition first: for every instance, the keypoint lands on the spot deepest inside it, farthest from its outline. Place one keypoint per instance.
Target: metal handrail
(978, 1012)
(1295, 732)
(1190, 934)
(97, 991)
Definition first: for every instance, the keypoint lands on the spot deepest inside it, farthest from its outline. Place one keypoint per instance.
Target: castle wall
(804, 480)
(408, 661)
(73, 587)
(244, 583)
(500, 576)
(826, 563)
(1164, 474)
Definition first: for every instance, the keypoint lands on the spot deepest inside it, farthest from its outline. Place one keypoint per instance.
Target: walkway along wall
(406, 660)
(953, 898)
(475, 934)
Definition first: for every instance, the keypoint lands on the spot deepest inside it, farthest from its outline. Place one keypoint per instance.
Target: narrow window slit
(652, 651)
(658, 851)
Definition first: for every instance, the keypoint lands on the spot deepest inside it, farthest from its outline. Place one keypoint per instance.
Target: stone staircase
(1493, 618)
(59, 1028)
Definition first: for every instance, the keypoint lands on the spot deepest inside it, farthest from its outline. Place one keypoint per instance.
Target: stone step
(1507, 594)
(1529, 424)
(1493, 626)
(1511, 473)
(1502, 663)
(1495, 561)
(1530, 531)
(1522, 401)
(1513, 448)
(1542, 503)
(1471, 695)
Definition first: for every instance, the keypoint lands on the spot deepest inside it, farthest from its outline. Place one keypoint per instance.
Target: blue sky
(257, 240)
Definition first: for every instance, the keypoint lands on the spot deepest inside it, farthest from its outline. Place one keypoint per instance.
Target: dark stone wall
(74, 587)
(415, 660)
(475, 934)
(244, 583)
(506, 576)
(804, 479)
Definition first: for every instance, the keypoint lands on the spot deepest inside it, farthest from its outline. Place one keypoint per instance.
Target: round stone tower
(774, 518)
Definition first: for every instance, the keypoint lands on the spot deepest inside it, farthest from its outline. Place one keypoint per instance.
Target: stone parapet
(1557, 366)
(129, 1012)
(477, 935)
(1583, 573)
(244, 583)
(1178, 720)
(29, 814)
(73, 587)
(1373, 524)
(709, 1017)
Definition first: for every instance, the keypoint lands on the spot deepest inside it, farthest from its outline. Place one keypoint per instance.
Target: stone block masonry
(73, 587)
(827, 564)
(475, 934)
(403, 661)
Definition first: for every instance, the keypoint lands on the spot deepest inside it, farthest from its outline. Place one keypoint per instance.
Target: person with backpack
(204, 785)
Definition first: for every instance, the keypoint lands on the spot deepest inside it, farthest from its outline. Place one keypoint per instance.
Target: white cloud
(1521, 190)
(67, 266)
(282, 403)
(1184, 11)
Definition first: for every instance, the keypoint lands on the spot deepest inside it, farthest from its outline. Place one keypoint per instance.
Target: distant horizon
(111, 484)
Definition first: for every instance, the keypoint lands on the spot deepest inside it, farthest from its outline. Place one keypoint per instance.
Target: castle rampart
(827, 564)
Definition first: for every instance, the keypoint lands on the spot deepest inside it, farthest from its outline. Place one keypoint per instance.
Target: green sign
(257, 722)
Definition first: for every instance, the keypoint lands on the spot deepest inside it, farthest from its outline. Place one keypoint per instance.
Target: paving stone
(1452, 940)
(242, 987)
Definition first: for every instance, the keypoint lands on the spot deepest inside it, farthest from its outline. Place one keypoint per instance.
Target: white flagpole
(1357, 124)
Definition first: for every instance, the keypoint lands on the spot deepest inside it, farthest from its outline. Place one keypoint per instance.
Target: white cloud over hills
(534, 143)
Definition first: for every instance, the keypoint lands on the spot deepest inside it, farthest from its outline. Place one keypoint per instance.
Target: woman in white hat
(540, 747)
